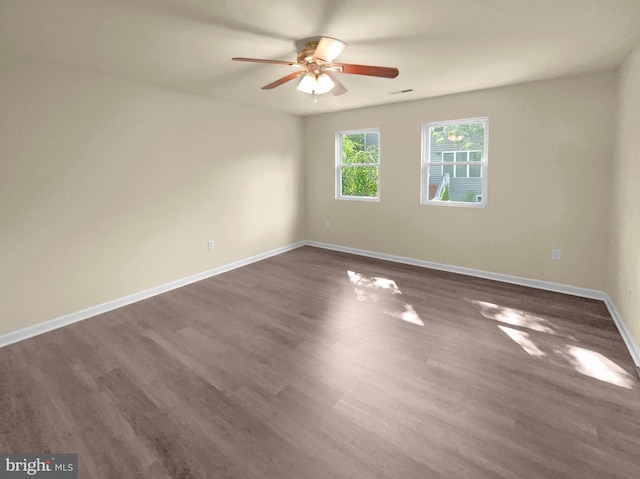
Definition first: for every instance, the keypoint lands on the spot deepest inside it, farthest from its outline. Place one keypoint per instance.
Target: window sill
(458, 204)
(359, 198)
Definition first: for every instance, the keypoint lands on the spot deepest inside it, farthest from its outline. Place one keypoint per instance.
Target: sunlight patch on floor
(514, 317)
(373, 282)
(408, 314)
(523, 340)
(591, 363)
(370, 288)
(585, 361)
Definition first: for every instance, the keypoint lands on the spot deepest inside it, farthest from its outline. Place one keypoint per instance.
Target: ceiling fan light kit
(318, 70)
(315, 84)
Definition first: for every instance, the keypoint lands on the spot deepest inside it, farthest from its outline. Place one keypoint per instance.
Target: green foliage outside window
(446, 194)
(359, 180)
(469, 136)
(470, 197)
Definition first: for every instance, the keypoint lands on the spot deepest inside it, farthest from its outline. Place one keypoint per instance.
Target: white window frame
(340, 165)
(425, 164)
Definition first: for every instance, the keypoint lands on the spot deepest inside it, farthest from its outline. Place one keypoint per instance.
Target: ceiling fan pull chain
(315, 96)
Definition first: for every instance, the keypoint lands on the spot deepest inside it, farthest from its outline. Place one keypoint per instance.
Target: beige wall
(551, 150)
(109, 187)
(624, 285)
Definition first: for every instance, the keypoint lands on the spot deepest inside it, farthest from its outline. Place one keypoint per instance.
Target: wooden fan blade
(369, 70)
(259, 60)
(339, 89)
(328, 49)
(284, 79)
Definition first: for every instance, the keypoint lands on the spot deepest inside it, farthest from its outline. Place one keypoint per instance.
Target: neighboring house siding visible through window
(454, 162)
(358, 165)
(372, 139)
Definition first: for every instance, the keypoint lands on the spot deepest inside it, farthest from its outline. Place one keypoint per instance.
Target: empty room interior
(387, 239)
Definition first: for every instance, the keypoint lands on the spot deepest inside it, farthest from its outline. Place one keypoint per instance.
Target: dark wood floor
(317, 364)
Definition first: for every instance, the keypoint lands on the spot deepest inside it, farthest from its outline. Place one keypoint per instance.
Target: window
(358, 165)
(454, 162)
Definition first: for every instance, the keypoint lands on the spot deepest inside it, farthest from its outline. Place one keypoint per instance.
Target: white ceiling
(439, 46)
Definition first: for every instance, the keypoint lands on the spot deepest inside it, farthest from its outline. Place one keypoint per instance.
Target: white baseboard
(505, 278)
(50, 325)
(624, 332)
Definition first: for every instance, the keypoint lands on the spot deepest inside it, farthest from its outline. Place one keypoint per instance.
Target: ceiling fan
(317, 68)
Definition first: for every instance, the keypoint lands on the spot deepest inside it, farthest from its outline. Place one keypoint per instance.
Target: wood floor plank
(316, 364)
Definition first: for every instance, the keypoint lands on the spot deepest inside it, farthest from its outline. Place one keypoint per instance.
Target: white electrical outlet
(211, 244)
(327, 224)
(556, 254)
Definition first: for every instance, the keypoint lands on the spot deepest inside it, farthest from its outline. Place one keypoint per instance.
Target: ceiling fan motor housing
(306, 54)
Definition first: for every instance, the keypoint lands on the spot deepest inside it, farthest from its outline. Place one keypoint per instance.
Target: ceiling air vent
(397, 92)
